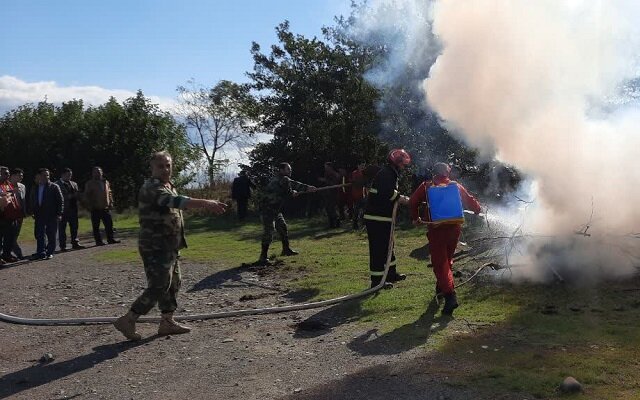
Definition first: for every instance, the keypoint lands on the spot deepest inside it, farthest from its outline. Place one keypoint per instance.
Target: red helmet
(399, 158)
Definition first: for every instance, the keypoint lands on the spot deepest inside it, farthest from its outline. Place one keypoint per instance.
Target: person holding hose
(279, 188)
(160, 239)
(378, 217)
(443, 235)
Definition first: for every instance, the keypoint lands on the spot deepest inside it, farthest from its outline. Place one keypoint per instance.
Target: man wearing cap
(443, 238)
(378, 217)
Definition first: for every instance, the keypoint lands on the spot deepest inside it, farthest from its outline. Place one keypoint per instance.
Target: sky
(95, 49)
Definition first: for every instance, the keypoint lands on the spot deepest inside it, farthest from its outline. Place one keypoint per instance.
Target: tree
(313, 99)
(118, 137)
(218, 118)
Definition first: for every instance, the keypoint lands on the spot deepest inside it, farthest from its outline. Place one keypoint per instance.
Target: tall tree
(218, 119)
(314, 101)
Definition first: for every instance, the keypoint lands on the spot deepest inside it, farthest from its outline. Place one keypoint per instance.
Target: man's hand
(59, 218)
(312, 189)
(419, 222)
(4, 201)
(403, 200)
(216, 206)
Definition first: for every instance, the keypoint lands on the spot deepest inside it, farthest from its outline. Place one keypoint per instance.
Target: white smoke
(545, 85)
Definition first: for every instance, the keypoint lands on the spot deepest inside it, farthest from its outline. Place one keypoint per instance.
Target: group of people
(162, 236)
(350, 195)
(54, 206)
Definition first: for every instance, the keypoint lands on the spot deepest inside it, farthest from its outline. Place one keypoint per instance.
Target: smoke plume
(550, 87)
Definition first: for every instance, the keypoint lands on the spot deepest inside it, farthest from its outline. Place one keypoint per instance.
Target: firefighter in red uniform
(383, 195)
(443, 238)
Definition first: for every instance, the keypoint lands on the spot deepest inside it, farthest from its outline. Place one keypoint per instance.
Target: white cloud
(15, 92)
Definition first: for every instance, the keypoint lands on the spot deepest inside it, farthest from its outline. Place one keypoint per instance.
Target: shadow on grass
(324, 321)
(231, 278)
(41, 374)
(403, 338)
(421, 253)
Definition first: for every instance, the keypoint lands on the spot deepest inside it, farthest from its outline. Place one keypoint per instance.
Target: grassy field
(520, 338)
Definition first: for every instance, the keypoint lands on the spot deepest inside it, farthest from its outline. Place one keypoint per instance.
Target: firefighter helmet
(399, 158)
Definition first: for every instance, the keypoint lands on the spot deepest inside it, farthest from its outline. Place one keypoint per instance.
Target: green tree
(312, 98)
(118, 137)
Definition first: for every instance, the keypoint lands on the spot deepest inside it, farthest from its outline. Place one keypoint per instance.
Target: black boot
(394, 276)
(264, 256)
(450, 304)
(375, 281)
(286, 250)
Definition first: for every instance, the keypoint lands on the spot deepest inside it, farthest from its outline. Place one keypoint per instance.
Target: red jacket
(358, 189)
(420, 196)
(11, 211)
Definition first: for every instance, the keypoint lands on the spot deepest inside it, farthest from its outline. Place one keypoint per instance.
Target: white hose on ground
(216, 315)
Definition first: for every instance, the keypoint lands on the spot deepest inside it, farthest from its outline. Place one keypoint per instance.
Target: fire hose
(221, 314)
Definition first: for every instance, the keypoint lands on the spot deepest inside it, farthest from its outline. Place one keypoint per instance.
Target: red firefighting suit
(443, 238)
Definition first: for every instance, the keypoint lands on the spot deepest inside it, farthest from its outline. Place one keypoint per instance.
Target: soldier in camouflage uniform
(160, 240)
(279, 188)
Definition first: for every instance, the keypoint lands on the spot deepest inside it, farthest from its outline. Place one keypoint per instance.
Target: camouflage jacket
(160, 213)
(278, 189)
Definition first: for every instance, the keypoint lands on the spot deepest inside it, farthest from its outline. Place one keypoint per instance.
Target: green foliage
(312, 97)
(117, 137)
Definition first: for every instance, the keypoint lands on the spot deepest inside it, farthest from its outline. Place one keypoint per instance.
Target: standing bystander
(46, 205)
(69, 190)
(20, 191)
(99, 200)
(241, 192)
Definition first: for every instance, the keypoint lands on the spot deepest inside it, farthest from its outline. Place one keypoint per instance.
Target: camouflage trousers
(163, 282)
(272, 220)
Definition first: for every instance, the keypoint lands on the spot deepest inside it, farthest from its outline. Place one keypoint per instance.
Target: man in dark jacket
(241, 192)
(378, 216)
(46, 204)
(70, 191)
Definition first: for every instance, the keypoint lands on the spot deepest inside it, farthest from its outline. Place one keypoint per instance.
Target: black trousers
(17, 250)
(69, 217)
(45, 230)
(379, 233)
(105, 217)
(242, 207)
(7, 236)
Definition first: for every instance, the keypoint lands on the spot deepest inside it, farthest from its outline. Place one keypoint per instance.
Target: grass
(523, 338)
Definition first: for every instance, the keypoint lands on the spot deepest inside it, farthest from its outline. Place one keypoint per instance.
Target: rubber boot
(375, 281)
(264, 256)
(450, 304)
(127, 325)
(168, 326)
(394, 276)
(286, 250)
